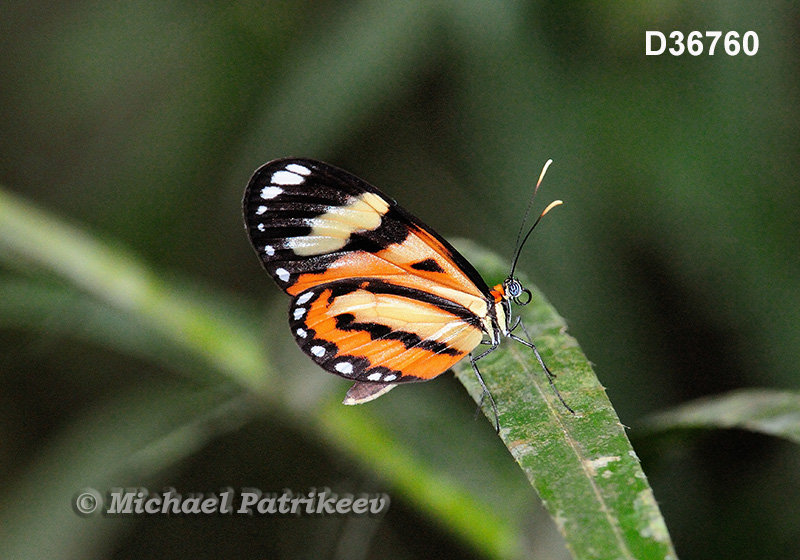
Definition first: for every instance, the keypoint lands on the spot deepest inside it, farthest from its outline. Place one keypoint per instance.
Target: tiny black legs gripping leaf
(377, 296)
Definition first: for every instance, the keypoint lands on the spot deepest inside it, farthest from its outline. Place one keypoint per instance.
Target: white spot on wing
(261, 227)
(271, 191)
(344, 367)
(301, 333)
(269, 250)
(282, 273)
(318, 351)
(286, 178)
(304, 298)
(299, 312)
(299, 169)
(374, 377)
(390, 377)
(260, 210)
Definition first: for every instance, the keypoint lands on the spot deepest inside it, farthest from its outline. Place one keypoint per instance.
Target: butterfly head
(510, 290)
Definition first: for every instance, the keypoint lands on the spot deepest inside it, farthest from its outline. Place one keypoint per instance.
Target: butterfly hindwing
(373, 331)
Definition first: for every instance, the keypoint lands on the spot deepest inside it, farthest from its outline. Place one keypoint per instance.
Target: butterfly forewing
(313, 223)
(378, 296)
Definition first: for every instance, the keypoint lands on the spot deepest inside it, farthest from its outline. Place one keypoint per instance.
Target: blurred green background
(674, 258)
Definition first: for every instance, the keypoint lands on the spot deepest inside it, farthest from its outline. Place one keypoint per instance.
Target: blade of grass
(765, 411)
(56, 311)
(115, 277)
(582, 466)
(437, 494)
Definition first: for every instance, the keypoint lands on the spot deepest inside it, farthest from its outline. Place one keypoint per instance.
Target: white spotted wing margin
(303, 215)
(378, 333)
(379, 298)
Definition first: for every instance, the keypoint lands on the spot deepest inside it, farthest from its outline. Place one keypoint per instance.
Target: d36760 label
(697, 43)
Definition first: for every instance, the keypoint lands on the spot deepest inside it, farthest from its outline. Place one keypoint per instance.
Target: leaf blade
(117, 278)
(765, 411)
(583, 465)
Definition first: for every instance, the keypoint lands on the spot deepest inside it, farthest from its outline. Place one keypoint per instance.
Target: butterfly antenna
(517, 243)
(521, 244)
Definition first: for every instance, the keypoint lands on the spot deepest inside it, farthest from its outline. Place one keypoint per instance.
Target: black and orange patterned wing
(378, 296)
(377, 332)
(312, 223)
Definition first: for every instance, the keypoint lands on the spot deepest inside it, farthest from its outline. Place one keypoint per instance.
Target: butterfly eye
(513, 288)
(517, 294)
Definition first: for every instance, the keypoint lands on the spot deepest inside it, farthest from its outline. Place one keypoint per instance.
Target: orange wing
(373, 331)
(378, 296)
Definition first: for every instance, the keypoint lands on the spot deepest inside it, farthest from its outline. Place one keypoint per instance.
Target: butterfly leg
(472, 360)
(550, 375)
(529, 343)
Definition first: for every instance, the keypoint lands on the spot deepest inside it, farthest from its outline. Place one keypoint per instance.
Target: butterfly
(378, 297)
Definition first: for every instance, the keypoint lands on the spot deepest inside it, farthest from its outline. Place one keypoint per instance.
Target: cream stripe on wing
(331, 230)
(405, 314)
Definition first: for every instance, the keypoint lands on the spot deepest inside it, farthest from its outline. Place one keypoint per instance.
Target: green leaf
(582, 465)
(770, 412)
(116, 278)
(432, 491)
